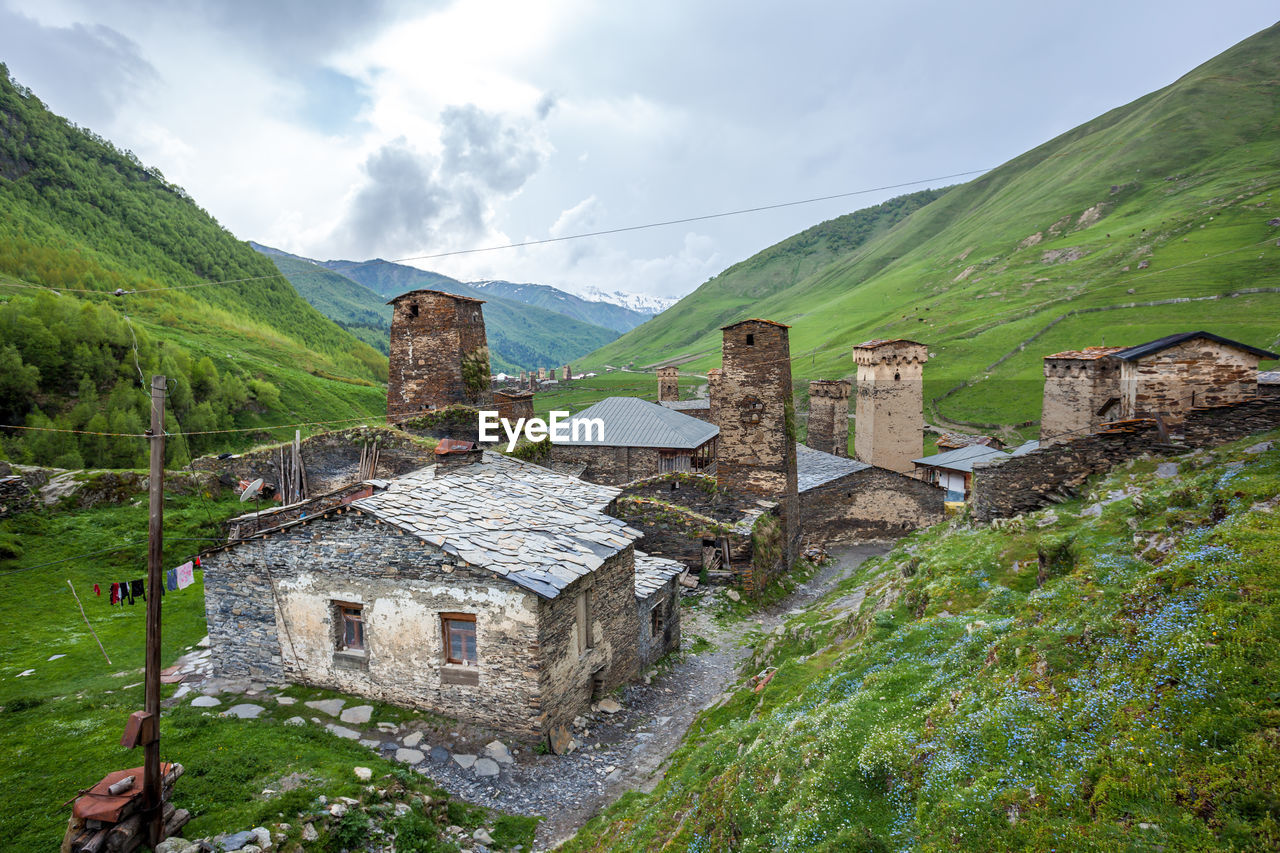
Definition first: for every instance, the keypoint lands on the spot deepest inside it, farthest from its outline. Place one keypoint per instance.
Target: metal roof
(653, 573)
(815, 467)
(1153, 347)
(534, 527)
(632, 422)
(962, 459)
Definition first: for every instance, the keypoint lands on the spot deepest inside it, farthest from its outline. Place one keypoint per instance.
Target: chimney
(454, 453)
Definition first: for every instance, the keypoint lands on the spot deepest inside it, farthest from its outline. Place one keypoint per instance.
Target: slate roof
(1153, 347)
(534, 527)
(962, 459)
(1269, 377)
(632, 422)
(756, 320)
(815, 467)
(1086, 354)
(880, 342)
(396, 299)
(652, 573)
(685, 405)
(1026, 447)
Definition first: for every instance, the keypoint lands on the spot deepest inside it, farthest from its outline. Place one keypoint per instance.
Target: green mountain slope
(1101, 676)
(605, 314)
(80, 215)
(521, 336)
(1166, 198)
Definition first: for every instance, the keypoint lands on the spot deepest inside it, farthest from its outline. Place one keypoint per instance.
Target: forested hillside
(1157, 217)
(80, 219)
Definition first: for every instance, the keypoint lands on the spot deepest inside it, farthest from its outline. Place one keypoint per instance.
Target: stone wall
(513, 405)
(609, 466)
(404, 585)
(1198, 372)
(890, 405)
(869, 504)
(1075, 390)
(15, 497)
(829, 416)
(331, 459)
(250, 523)
(569, 679)
(666, 601)
(1026, 483)
(439, 354)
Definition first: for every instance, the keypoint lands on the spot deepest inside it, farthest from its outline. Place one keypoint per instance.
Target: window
(350, 623)
(656, 623)
(459, 633)
(413, 309)
(751, 340)
(585, 640)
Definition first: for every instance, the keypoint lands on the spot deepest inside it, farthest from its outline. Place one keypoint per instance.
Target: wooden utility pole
(151, 794)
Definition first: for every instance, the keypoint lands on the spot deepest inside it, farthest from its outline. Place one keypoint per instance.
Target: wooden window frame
(341, 619)
(657, 620)
(584, 613)
(445, 619)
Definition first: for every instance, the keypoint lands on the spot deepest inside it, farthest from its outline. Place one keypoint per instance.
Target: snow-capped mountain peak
(642, 302)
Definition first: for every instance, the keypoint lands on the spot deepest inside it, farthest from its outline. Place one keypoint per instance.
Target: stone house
(843, 500)
(657, 606)
(639, 439)
(1269, 383)
(829, 416)
(494, 591)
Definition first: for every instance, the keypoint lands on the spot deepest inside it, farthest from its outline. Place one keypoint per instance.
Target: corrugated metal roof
(962, 459)
(1153, 347)
(816, 467)
(632, 422)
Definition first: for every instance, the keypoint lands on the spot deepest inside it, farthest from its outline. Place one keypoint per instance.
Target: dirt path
(626, 750)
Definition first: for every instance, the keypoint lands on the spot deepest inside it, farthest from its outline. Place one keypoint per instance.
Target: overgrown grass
(1028, 688)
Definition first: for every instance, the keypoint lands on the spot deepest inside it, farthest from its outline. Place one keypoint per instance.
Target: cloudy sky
(398, 129)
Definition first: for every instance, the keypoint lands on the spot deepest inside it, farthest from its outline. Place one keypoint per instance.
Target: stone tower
(439, 354)
(566, 373)
(668, 384)
(829, 416)
(752, 404)
(1081, 391)
(889, 415)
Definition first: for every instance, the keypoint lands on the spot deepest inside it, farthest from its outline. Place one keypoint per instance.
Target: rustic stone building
(952, 470)
(829, 416)
(753, 405)
(439, 353)
(1172, 375)
(658, 607)
(843, 500)
(636, 439)
(1081, 391)
(513, 405)
(1269, 383)
(889, 413)
(566, 373)
(668, 384)
(497, 592)
(699, 408)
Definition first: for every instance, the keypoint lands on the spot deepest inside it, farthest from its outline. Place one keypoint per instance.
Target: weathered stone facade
(15, 497)
(889, 413)
(1081, 391)
(529, 675)
(1197, 372)
(610, 466)
(754, 407)
(658, 618)
(331, 459)
(869, 504)
(1026, 483)
(829, 416)
(439, 354)
(566, 373)
(668, 384)
(513, 405)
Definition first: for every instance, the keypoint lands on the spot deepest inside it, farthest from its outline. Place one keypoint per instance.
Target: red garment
(115, 593)
(96, 590)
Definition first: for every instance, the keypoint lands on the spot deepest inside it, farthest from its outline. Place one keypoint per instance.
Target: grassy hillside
(82, 217)
(1166, 198)
(1100, 676)
(521, 336)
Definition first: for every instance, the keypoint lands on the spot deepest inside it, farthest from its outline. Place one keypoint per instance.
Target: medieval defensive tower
(889, 415)
(668, 384)
(1081, 390)
(829, 416)
(439, 354)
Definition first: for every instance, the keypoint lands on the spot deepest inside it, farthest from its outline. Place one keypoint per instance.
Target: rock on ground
(413, 740)
(464, 761)
(485, 767)
(329, 706)
(245, 711)
(358, 715)
(206, 702)
(343, 731)
(409, 756)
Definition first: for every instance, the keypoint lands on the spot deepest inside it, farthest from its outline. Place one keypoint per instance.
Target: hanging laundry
(186, 575)
(115, 593)
(137, 589)
(171, 580)
(97, 590)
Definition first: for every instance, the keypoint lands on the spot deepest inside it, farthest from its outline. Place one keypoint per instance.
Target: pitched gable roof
(632, 422)
(962, 459)
(1153, 347)
(816, 467)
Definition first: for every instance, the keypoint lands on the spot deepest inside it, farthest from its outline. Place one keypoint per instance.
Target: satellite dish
(251, 491)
